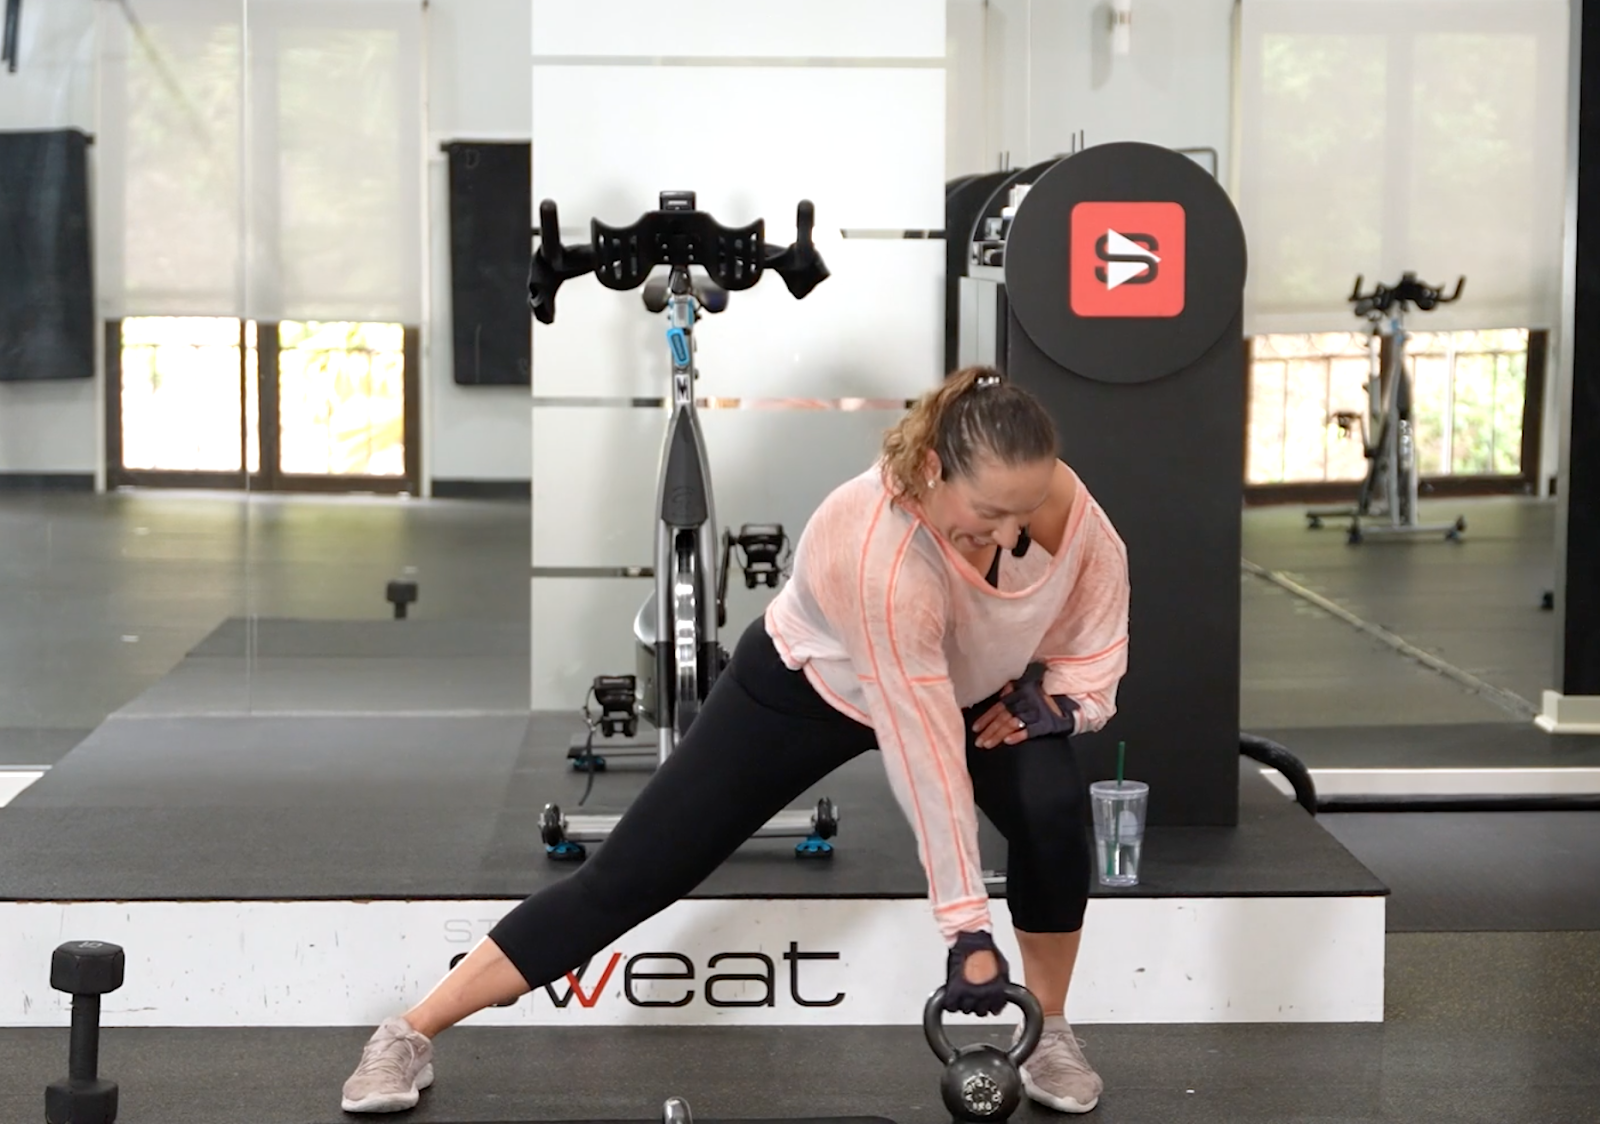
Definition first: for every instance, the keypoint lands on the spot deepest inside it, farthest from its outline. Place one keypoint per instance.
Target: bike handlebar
(678, 235)
(1408, 292)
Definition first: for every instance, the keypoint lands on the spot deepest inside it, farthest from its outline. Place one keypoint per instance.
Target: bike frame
(1392, 478)
(686, 538)
(676, 630)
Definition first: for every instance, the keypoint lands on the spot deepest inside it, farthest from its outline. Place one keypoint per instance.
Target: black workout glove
(1027, 702)
(970, 998)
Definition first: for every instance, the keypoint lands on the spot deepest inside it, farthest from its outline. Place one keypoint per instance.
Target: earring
(932, 480)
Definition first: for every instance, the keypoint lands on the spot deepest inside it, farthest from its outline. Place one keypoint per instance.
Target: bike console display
(678, 235)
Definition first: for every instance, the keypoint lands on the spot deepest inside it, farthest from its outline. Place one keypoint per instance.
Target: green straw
(1116, 815)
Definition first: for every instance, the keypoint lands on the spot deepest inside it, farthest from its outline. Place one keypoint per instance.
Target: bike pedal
(814, 847)
(566, 851)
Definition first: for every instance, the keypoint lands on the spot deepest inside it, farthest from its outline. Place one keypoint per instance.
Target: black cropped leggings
(762, 738)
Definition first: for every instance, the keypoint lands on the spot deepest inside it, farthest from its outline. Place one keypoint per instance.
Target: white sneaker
(1057, 1074)
(396, 1065)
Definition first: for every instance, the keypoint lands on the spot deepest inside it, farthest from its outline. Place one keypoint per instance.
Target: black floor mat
(1480, 871)
(260, 808)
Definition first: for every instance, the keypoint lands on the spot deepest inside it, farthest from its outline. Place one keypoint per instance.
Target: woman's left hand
(998, 726)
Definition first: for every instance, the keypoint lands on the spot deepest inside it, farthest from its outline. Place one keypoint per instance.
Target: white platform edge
(1540, 781)
(793, 961)
(1569, 714)
(14, 781)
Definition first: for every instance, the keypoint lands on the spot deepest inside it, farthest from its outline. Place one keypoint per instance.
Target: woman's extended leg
(484, 978)
(762, 738)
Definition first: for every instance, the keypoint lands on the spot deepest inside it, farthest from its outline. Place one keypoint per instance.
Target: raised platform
(306, 868)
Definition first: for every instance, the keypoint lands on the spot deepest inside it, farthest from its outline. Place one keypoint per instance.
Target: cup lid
(1128, 788)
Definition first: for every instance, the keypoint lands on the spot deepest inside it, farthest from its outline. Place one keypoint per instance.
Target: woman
(961, 606)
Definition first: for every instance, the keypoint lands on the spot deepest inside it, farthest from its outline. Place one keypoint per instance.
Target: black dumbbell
(402, 592)
(85, 970)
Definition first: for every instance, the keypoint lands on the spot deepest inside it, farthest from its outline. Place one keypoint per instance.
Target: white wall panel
(1048, 72)
(49, 426)
(872, 330)
(865, 144)
(603, 344)
(594, 485)
(53, 85)
(740, 28)
(594, 473)
(594, 494)
(1172, 88)
(777, 465)
(581, 627)
(967, 146)
(479, 83)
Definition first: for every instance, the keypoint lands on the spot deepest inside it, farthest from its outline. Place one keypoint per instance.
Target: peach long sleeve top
(894, 628)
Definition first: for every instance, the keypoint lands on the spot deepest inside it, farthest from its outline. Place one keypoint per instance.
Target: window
(191, 401)
(1469, 392)
(1297, 383)
(181, 396)
(341, 399)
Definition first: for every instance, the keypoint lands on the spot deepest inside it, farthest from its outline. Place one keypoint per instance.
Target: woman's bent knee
(1049, 863)
(1049, 909)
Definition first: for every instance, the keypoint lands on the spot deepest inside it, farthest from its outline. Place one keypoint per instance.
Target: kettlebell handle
(1032, 1024)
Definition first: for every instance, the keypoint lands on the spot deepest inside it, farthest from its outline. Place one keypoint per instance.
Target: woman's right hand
(977, 976)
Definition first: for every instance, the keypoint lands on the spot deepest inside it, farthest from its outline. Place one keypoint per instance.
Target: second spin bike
(679, 655)
(1387, 501)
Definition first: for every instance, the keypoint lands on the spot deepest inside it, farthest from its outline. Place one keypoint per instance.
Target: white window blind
(1380, 136)
(262, 159)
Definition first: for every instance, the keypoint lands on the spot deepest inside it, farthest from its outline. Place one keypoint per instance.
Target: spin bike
(1388, 496)
(678, 653)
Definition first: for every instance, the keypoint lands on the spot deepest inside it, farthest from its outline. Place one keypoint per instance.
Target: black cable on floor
(587, 761)
(1271, 754)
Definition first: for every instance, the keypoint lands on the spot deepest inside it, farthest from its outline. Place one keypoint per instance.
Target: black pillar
(1578, 534)
(1124, 273)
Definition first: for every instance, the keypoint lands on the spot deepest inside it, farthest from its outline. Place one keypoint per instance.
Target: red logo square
(1127, 259)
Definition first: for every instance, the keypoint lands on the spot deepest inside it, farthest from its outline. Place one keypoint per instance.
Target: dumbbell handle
(83, 1057)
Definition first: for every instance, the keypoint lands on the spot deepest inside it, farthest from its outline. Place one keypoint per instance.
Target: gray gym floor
(1480, 1028)
(102, 596)
(1475, 603)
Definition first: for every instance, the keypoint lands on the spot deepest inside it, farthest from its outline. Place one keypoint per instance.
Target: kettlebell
(983, 1083)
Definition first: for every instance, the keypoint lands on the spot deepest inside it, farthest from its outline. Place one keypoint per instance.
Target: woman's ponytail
(974, 413)
(907, 445)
